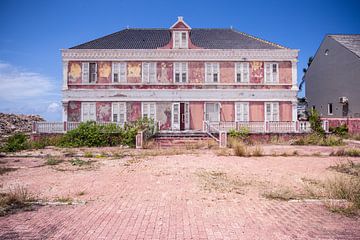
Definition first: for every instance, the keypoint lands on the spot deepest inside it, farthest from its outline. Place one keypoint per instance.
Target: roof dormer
(180, 34)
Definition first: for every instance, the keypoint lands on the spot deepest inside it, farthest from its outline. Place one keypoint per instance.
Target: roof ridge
(259, 39)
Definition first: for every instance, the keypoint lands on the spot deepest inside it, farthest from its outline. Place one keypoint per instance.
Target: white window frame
(119, 68)
(274, 109)
(206, 113)
(121, 110)
(83, 106)
(332, 109)
(242, 109)
(212, 68)
(146, 109)
(147, 69)
(85, 72)
(178, 41)
(242, 68)
(273, 78)
(181, 68)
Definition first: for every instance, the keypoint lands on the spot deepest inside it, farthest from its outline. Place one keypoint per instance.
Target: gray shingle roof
(208, 38)
(350, 41)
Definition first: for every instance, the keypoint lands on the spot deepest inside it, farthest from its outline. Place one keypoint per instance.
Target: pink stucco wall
(165, 72)
(227, 72)
(104, 72)
(285, 72)
(256, 72)
(103, 111)
(227, 113)
(74, 111)
(285, 111)
(196, 72)
(256, 111)
(196, 115)
(133, 111)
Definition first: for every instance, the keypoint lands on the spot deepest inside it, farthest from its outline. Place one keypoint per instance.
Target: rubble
(13, 123)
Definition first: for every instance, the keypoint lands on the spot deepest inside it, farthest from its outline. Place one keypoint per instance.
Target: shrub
(319, 139)
(315, 122)
(242, 133)
(16, 142)
(240, 150)
(53, 161)
(341, 130)
(16, 198)
(257, 152)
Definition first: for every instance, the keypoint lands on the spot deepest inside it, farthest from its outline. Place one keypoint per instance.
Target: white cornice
(179, 54)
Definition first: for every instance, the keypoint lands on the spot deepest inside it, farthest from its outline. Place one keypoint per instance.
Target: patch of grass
(132, 161)
(53, 161)
(349, 167)
(78, 162)
(257, 152)
(69, 153)
(283, 194)
(352, 152)
(118, 155)
(16, 142)
(15, 199)
(66, 199)
(223, 152)
(220, 182)
(240, 150)
(319, 139)
(88, 154)
(4, 170)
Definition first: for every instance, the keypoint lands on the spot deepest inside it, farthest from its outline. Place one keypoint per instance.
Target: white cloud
(28, 92)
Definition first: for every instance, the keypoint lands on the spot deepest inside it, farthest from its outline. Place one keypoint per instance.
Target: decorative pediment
(180, 24)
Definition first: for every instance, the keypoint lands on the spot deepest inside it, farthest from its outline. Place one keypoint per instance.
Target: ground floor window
(212, 112)
(241, 112)
(88, 111)
(271, 111)
(148, 110)
(119, 112)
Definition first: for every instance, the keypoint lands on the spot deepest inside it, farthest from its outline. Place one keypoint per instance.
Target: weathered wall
(196, 72)
(285, 111)
(227, 112)
(256, 72)
(353, 124)
(256, 111)
(74, 72)
(165, 72)
(163, 115)
(104, 72)
(285, 72)
(103, 111)
(227, 72)
(134, 72)
(133, 111)
(196, 115)
(74, 111)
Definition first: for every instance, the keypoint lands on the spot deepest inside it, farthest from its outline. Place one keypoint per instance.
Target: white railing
(253, 127)
(49, 127)
(281, 127)
(304, 127)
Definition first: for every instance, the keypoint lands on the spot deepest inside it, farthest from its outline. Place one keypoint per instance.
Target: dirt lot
(134, 194)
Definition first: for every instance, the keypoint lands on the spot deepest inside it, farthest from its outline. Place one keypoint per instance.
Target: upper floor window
(149, 72)
(242, 72)
(271, 111)
(118, 72)
(119, 112)
(180, 39)
(180, 72)
(271, 73)
(148, 110)
(89, 72)
(212, 72)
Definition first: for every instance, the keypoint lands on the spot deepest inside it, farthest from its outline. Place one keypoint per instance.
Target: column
(294, 110)
(294, 75)
(65, 111)
(65, 75)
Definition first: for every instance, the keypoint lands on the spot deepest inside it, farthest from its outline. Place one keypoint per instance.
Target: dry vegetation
(15, 199)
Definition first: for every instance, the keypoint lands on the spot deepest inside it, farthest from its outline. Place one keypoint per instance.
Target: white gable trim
(180, 19)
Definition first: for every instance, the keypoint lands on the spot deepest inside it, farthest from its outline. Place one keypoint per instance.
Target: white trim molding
(294, 75)
(179, 54)
(65, 74)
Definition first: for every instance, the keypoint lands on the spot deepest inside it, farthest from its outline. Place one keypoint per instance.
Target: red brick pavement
(161, 198)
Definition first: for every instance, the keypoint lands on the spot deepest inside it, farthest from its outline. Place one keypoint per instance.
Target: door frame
(182, 116)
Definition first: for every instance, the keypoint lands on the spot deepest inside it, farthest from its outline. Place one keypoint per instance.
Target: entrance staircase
(187, 139)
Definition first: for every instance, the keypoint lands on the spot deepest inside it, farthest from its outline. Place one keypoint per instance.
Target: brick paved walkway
(161, 198)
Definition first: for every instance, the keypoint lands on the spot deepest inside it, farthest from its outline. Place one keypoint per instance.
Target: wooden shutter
(208, 76)
(177, 71)
(115, 112)
(237, 112)
(267, 111)
(85, 112)
(92, 111)
(145, 72)
(115, 72)
(152, 110)
(275, 112)
(267, 73)
(184, 72)
(176, 39)
(122, 72)
(245, 112)
(85, 72)
(245, 70)
(152, 72)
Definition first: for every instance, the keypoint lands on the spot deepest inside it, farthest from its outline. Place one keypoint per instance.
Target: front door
(180, 116)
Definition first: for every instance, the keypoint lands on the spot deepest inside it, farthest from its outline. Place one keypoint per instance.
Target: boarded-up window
(242, 72)
(119, 112)
(149, 72)
(271, 111)
(242, 112)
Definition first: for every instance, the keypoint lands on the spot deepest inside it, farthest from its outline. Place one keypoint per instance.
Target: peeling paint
(103, 111)
(74, 111)
(256, 72)
(74, 72)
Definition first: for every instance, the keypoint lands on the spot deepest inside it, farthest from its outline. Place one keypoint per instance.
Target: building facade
(180, 77)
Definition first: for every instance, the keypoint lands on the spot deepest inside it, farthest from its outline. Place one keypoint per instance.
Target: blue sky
(33, 32)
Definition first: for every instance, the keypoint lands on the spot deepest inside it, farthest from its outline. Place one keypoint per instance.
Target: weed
(240, 150)
(53, 161)
(16, 198)
(78, 162)
(350, 168)
(81, 193)
(284, 194)
(4, 170)
(16, 142)
(88, 154)
(352, 152)
(257, 152)
(67, 200)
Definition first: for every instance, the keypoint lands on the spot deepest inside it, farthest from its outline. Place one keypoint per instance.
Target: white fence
(62, 127)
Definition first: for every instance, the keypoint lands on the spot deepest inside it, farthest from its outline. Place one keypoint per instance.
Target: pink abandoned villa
(183, 78)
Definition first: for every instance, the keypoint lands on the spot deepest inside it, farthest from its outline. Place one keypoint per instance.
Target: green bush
(315, 122)
(242, 133)
(16, 142)
(341, 130)
(319, 139)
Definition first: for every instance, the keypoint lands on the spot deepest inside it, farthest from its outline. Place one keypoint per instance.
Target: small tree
(315, 122)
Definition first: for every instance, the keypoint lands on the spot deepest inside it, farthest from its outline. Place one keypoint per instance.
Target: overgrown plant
(315, 122)
(16, 142)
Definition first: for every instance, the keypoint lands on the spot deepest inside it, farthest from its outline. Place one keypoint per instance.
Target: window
(271, 111)
(241, 112)
(271, 73)
(119, 112)
(212, 112)
(88, 111)
(326, 52)
(149, 72)
(242, 72)
(313, 107)
(180, 39)
(212, 72)
(330, 109)
(89, 72)
(148, 110)
(118, 72)
(180, 72)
